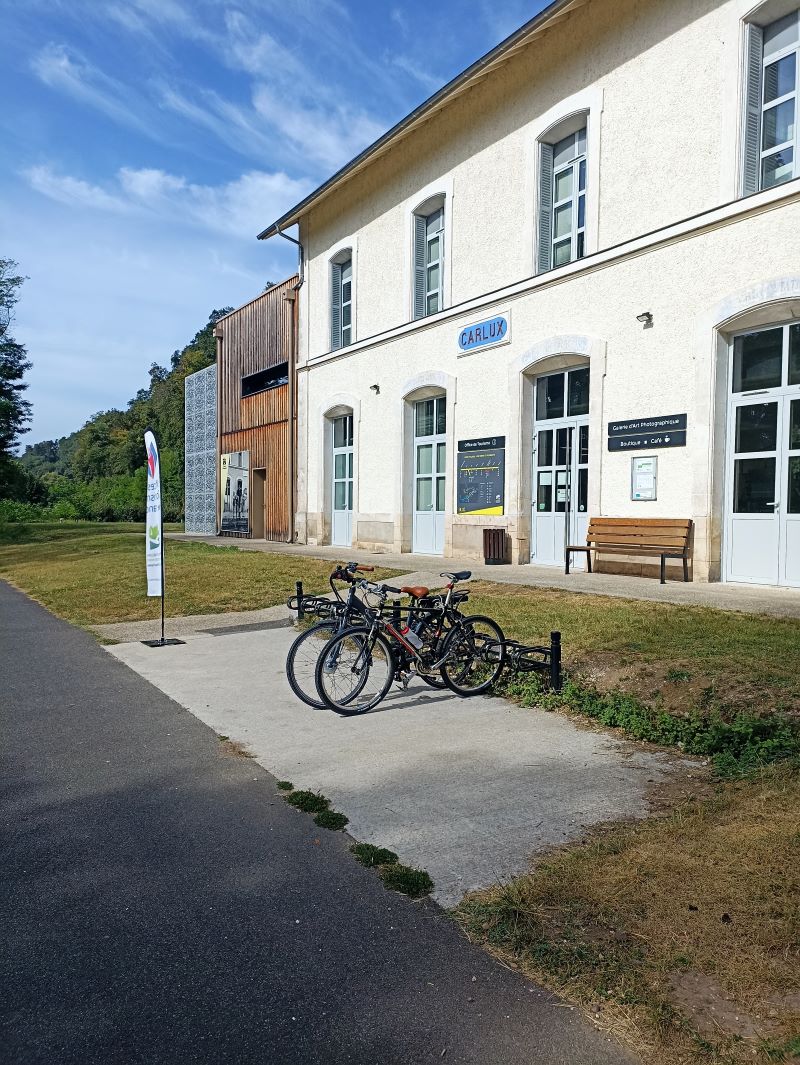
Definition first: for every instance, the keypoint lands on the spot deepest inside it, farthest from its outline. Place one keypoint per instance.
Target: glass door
(342, 489)
(560, 466)
(430, 470)
(763, 483)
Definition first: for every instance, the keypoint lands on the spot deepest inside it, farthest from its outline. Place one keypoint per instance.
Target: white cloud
(72, 191)
(430, 82)
(236, 209)
(60, 69)
(324, 136)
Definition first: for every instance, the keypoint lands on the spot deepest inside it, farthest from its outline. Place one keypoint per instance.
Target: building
(255, 432)
(567, 285)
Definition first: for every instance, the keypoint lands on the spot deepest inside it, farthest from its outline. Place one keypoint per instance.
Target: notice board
(481, 476)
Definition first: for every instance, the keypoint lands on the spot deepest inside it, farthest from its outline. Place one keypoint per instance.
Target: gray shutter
(751, 134)
(336, 306)
(420, 227)
(544, 256)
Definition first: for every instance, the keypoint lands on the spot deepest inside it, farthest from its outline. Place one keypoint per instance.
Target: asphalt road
(160, 902)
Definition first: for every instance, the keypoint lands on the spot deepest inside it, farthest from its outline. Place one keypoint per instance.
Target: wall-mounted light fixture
(376, 389)
(646, 318)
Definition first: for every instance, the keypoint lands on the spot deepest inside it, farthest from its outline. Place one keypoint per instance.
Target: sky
(145, 143)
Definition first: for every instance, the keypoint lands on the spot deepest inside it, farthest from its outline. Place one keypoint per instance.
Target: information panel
(481, 475)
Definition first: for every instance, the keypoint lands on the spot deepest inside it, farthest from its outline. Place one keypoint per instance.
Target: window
(342, 300)
(562, 197)
(274, 377)
(770, 120)
(429, 259)
(554, 389)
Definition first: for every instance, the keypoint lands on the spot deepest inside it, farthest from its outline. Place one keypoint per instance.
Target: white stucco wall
(661, 82)
(687, 283)
(658, 76)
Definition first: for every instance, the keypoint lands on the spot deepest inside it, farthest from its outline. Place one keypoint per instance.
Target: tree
(15, 412)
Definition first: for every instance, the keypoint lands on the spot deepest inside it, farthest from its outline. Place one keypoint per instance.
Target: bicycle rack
(533, 658)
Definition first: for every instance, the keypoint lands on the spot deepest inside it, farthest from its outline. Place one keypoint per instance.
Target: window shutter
(336, 306)
(751, 138)
(545, 237)
(419, 265)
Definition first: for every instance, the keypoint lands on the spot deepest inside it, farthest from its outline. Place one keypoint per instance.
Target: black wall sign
(481, 476)
(481, 443)
(664, 424)
(647, 440)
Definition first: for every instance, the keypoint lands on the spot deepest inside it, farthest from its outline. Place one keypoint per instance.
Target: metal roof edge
(547, 14)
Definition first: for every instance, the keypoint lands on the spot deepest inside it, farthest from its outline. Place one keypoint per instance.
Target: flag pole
(161, 509)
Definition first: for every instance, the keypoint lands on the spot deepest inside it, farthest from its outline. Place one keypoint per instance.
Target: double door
(560, 496)
(762, 530)
(764, 491)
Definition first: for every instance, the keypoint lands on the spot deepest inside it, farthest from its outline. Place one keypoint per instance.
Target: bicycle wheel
(355, 671)
(301, 661)
(474, 655)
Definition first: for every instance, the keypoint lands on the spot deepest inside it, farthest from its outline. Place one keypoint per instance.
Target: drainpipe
(291, 297)
(218, 335)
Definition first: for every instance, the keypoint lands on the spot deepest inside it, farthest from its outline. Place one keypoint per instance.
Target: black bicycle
(357, 667)
(415, 621)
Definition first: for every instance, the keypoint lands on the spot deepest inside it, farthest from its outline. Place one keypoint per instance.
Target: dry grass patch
(92, 574)
(679, 934)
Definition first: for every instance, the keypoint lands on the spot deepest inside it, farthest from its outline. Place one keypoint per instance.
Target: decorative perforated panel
(201, 451)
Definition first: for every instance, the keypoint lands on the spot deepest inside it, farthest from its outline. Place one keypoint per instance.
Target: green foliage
(311, 802)
(98, 472)
(15, 411)
(412, 882)
(284, 785)
(370, 855)
(737, 745)
(331, 819)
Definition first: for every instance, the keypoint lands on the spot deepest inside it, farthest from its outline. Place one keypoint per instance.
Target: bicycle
(339, 614)
(356, 669)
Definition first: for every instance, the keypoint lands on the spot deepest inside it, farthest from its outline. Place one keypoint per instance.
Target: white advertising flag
(153, 530)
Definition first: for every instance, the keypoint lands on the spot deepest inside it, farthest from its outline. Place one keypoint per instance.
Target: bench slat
(644, 522)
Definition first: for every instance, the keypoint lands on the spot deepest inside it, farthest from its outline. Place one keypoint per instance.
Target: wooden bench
(667, 537)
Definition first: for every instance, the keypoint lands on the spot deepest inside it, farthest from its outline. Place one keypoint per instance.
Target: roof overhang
(463, 81)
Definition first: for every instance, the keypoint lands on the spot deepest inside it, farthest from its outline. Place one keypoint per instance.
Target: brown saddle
(417, 592)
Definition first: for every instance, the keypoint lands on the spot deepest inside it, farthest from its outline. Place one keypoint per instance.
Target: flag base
(163, 643)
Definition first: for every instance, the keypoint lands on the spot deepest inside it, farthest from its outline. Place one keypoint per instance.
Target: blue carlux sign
(482, 334)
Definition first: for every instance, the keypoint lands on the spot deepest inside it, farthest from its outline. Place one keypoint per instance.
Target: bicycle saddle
(462, 575)
(416, 592)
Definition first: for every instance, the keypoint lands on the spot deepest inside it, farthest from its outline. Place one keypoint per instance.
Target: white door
(560, 490)
(763, 482)
(342, 489)
(430, 471)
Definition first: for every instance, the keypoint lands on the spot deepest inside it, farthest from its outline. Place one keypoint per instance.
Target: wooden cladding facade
(256, 337)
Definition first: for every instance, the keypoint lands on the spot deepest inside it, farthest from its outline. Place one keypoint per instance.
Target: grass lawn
(679, 657)
(94, 573)
(679, 934)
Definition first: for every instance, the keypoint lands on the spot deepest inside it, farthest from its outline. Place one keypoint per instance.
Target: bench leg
(566, 566)
(663, 569)
(685, 570)
(589, 561)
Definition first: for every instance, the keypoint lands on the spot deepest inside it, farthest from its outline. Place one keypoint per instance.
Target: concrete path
(161, 905)
(752, 599)
(468, 789)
